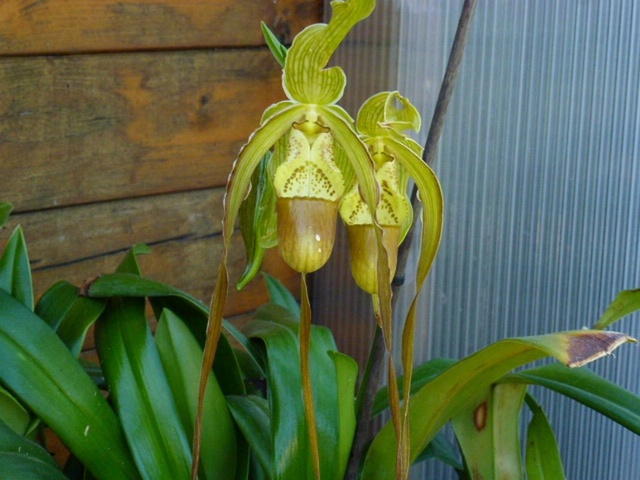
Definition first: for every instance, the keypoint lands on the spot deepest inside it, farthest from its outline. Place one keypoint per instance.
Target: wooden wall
(119, 122)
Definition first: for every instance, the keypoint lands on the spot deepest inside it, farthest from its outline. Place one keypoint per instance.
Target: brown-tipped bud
(364, 254)
(306, 232)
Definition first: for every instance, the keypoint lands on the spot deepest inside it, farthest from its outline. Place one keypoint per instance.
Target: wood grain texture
(73, 26)
(183, 229)
(82, 129)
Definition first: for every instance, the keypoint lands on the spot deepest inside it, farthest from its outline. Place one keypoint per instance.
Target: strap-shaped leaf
(278, 330)
(23, 467)
(13, 414)
(251, 414)
(278, 50)
(488, 433)
(5, 211)
(11, 442)
(543, 456)
(194, 313)
(39, 369)
(627, 302)
(279, 295)
(15, 271)
(140, 391)
(305, 78)
(588, 388)
(444, 396)
(70, 314)
(181, 358)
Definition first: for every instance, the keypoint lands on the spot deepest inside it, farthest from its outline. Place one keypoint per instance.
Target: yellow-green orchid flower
(315, 153)
(397, 158)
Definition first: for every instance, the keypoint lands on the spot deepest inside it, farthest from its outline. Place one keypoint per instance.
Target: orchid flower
(308, 134)
(397, 159)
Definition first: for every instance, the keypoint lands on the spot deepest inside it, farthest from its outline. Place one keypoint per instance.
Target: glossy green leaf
(5, 211)
(543, 456)
(257, 220)
(11, 442)
(488, 433)
(444, 396)
(422, 375)
(278, 50)
(181, 358)
(39, 369)
(440, 448)
(13, 414)
(129, 263)
(140, 391)
(280, 295)
(23, 467)
(251, 414)
(588, 388)
(305, 78)
(277, 329)
(346, 376)
(194, 314)
(627, 302)
(70, 314)
(15, 271)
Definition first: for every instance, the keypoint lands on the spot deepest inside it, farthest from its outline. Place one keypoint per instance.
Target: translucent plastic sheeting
(540, 166)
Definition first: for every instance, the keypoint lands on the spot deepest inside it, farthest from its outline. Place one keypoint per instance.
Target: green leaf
(39, 369)
(194, 314)
(251, 414)
(15, 271)
(257, 220)
(346, 376)
(19, 466)
(13, 414)
(5, 211)
(181, 358)
(280, 295)
(487, 430)
(422, 375)
(23, 448)
(627, 302)
(441, 449)
(543, 455)
(588, 388)
(278, 50)
(140, 391)
(444, 396)
(69, 313)
(275, 327)
(130, 262)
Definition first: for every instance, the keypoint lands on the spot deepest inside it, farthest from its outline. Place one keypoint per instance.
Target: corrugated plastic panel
(540, 165)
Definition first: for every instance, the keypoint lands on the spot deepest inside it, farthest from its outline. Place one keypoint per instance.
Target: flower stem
(304, 335)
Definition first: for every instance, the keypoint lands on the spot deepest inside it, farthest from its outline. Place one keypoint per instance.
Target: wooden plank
(77, 243)
(71, 26)
(80, 129)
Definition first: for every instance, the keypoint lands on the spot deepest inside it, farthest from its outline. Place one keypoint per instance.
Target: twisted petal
(305, 78)
(249, 158)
